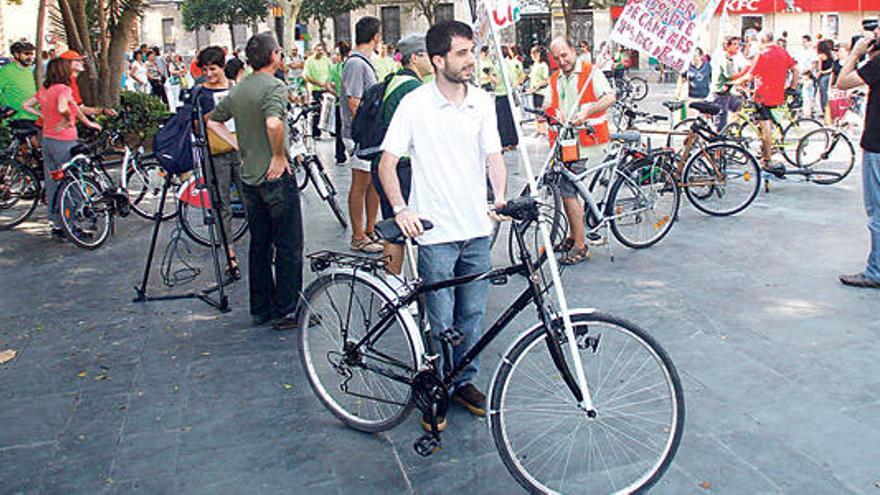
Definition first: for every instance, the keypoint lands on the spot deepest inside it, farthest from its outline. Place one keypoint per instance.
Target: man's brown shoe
(471, 399)
(860, 280)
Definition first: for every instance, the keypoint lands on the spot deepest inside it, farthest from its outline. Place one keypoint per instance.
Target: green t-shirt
(319, 70)
(336, 76)
(383, 66)
(16, 86)
(400, 86)
(250, 103)
(539, 75)
(510, 67)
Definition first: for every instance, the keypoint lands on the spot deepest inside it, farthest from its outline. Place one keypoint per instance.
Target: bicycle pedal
(427, 445)
(452, 336)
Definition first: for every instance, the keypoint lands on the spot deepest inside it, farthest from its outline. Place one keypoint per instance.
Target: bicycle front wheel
(639, 88)
(367, 386)
(550, 445)
(145, 181)
(19, 194)
(643, 204)
(193, 222)
(722, 179)
(793, 135)
(826, 155)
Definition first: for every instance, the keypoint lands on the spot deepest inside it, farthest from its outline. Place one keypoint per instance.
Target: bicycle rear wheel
(721, 179)
(644, 204)
(550, 445)
(19, 194)
(826, 155)
(85, 216)
(368, 387)
(145, 181)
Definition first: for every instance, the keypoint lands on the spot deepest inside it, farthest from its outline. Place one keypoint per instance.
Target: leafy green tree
(322, 10)
(206, 14)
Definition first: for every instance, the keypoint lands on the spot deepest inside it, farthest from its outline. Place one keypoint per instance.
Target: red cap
(71, 55)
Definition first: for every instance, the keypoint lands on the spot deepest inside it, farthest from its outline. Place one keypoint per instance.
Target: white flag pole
(587, 402)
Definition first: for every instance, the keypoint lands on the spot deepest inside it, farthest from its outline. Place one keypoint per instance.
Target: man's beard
(455, 77)
(25, 62)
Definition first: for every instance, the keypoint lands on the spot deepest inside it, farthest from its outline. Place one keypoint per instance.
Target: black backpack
(172, 144)
(368, 126)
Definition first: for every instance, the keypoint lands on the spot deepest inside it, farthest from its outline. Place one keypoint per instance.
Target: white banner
(503, 13)
(667, 30)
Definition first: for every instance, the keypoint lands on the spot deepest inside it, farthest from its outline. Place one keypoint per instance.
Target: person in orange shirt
(76, 68)
(578, 95)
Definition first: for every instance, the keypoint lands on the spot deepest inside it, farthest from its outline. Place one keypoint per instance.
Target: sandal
(371, 235)
(575, 256)
(366, 245)
(232, 270)
(564, 246)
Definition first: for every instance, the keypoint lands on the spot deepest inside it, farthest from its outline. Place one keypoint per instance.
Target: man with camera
(852, 76)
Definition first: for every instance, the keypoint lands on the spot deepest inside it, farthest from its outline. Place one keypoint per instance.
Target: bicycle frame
(532, 294)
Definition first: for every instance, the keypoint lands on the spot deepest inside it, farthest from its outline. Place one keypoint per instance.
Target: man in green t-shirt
(259, 106)
(416, 65)
(317, 76)
(383, 63)
(17, 79)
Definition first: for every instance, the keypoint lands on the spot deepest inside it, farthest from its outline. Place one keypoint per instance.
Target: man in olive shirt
(17, 79)
(317, 75)
(259, 106)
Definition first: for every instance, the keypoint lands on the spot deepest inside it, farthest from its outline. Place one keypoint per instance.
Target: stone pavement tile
(240, 378)
(145, 456)
(813, 426)
(33, 420)
(466, 436)
(155, 408)
(773, 456)
(210, 424)
(152, 485)
(704, 459)
(21, 467)
(367, 461)
(483, 474)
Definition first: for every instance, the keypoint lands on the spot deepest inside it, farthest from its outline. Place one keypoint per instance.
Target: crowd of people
(448, 122)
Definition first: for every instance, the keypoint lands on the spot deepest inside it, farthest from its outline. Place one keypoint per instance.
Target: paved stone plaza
(779, 363)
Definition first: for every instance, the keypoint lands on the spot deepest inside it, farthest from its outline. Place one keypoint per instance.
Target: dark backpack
(368, 126)
(172, 144)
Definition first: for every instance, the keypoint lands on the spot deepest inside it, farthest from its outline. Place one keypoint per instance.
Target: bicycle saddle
(80, 149)
(673, 105)
(390, 231)
(627, 137)
(706, 107)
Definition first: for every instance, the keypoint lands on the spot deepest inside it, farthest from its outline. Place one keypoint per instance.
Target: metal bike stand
(210, 216)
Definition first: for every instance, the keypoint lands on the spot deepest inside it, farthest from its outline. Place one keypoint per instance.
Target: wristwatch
(398, 209)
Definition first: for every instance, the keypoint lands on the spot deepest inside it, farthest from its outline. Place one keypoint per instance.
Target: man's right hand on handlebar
(409, 223)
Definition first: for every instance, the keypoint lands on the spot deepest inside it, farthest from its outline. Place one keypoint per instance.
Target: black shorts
(764, 112)
(404, 173)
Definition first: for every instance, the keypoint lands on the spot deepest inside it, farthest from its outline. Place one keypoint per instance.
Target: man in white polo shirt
(449, 131)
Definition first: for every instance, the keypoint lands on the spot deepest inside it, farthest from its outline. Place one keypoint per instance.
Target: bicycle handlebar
(554, 122)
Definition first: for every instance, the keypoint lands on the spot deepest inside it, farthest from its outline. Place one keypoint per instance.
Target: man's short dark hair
(807, 37)
(439, 38)
(366, 29)
(233, 67)
(213, 55)
(259, 50)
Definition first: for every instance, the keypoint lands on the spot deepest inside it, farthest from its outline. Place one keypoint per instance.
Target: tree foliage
(99, 29)
(322, 10)
(207, 14)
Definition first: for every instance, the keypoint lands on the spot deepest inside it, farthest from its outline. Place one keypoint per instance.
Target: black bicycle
(21, 172)
(306, 164)
(595, 407)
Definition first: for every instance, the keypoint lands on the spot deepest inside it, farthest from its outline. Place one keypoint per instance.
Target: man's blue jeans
(460, 307)
(871, 190)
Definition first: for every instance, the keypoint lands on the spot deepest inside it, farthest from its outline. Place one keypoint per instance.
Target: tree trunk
(291, 9)
(232, 35)
(41, 28)
(119, 34)
(322, 24)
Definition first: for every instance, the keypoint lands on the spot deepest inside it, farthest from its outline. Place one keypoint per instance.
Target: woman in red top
(54, 103)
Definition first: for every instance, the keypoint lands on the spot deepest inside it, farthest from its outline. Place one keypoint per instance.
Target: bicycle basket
(795, 100)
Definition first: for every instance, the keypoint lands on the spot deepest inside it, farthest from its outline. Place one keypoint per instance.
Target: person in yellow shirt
(316, 73)
(383, 63)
